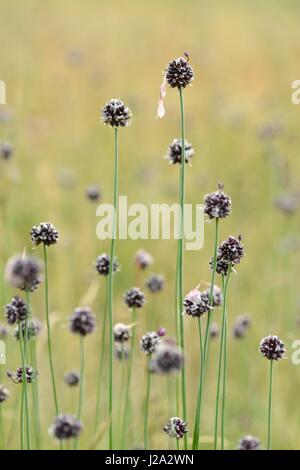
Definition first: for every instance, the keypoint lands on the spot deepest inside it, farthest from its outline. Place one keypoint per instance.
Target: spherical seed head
(72, 379)
(174, 154)
(134, 298)
(82, 321)
(34, 328)
(66, 427)
(4, 393)
(249, 443)
(239, 330)
(103, 263)
(168, 358)
(179, 73)
(222, 265)
(217, 205)
(122, 333)
(143, 259)
(115, 113)
(176, 427)
(149, 342)
(16, 311)
(121, 351)
(6, 150)
(196, 303)
(217, 299)
(93, 193)
(155, 283)
(44, 233)
(272, 347)
(231, 250)
(24, 272)
(17, 376)
(3, 331)
(214, 330)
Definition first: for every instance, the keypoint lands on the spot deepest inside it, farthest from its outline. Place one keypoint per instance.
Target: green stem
(81, 385)
(224, 285)
(127, 390)
(196, 434)
(270, 405)
(100, 368)
(22, 440)
(224, 385)
(2, 439)
(24, 386)
(181, 255)
(110, 292)
(147, 405)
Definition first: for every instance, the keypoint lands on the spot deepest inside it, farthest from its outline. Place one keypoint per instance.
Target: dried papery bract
(114, 114)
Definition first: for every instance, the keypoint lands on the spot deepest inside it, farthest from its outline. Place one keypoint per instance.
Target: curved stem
(181, 255)
(81, 385)
(147, 405)
(127, 390)
(270, 405)
(110, 292)
(196, 434)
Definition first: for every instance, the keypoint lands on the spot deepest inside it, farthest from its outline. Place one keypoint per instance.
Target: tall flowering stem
(81, 385)
(181, 256)
(224, 376)
(196, 434)
(147, 405)
(225, 280)
(270, 404)
(110, 289)
(24, 388)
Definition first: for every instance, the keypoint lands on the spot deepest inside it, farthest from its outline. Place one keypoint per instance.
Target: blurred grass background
(61, 61)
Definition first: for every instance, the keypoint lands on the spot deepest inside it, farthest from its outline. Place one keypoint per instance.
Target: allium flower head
(196, 303)
(155, 283)
(6, 150)
(143, 259)
(179, 73)
(103, 265)
(82, 321)
(4, 394)
(272, 348)
(34, 327)
(176, 427)
(122, 333)
(93, 193)
(72, 379)
(249, 443)
(222, 265)
(174, 154)
(149, 342)
(231, 250)
(168, 358)
(134, 298)
(65, 427)
(16, 311)
(115, 113)
(23, 272)
(217, 299)
(17, 376)
(44, 233)
(217, 204)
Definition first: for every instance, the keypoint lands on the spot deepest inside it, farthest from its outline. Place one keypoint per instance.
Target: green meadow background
(61, 61)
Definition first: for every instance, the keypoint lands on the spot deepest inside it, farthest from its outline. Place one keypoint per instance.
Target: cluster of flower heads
(23, 272)
(174, 154)
(16, 311)
(4, 394)
(66, 427)
(230, 253)
(155, 283)
(72, 378)
(134, 298)
(196, 303)
(17, 376)
(102, 265)
(6, 150)
(176, 427)
(32, 328)
(248, 443)
(44, 233)
(272, 348)
(168, 358)
(217, 204)
(241, 325)
(143, 259)
(115, 114)
(82, 321)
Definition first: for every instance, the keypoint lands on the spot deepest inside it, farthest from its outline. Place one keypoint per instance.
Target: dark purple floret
(176, 427)
(179, 73)
(115, 113)
(272, 347)
(44, 233)
(82, 321)
(134, 298)
(16, 311)
(103, 265)
(249, 443)
(217, 204)
(66, 427)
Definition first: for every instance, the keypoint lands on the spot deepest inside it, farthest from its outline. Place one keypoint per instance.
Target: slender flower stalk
(81, 385)
(25, 389)
(147, 404)
(224, 379)
(196, 434)
(270, 404)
